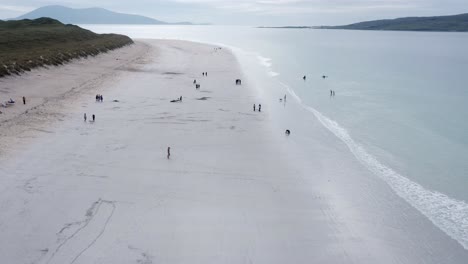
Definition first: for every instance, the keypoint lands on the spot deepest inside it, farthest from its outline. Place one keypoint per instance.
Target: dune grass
(27, 44)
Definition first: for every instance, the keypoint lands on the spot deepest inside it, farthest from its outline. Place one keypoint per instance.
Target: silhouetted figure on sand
(168, 152)
(304, 77)
(259, 107)
(94, 118)
(287, 132)
(85, 117)
(24, 100)
(254, 107)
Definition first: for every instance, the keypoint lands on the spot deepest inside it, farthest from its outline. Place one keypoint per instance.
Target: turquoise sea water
(400, 105)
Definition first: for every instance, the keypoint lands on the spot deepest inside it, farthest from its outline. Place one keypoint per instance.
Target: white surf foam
(448, 214)
(266, 62)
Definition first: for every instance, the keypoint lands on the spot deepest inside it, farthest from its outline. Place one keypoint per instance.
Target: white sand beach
(234, 189)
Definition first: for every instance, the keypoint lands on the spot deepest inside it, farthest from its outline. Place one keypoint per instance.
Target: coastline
(233, 190)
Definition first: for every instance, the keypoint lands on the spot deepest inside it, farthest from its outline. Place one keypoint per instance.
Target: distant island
(455, 23)
(27, 44)
(95, 15)
(290, 27)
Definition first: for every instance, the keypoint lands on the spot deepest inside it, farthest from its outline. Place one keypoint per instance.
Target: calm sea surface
(401, 97)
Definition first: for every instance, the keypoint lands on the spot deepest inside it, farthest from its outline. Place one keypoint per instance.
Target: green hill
(455, 23)
(26, 44)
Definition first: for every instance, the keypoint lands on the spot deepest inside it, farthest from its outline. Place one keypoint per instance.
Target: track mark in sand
(76, 238)
(116, 147)
(172, 73)
(42, 130)
(81, 174)
(28, 185)
(144, 257)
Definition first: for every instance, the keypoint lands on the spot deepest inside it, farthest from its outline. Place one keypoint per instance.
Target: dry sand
(49, 90)
(231, 192)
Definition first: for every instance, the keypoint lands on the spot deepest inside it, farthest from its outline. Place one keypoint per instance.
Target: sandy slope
(232, 191)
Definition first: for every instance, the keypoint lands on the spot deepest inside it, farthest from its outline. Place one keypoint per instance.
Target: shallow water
(399, 105)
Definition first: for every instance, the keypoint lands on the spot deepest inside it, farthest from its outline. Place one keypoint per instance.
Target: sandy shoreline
(233, 191)
(49, 89)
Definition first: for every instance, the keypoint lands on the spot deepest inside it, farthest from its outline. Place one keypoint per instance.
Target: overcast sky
(255, 12)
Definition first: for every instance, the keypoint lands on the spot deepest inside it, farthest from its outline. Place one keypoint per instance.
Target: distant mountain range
(95, 15)
(455, 23)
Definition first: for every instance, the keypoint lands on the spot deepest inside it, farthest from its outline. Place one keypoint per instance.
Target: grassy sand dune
(27, 44)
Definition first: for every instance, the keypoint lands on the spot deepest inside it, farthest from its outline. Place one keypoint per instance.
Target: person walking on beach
(85, 117)
(259, 107)
(24, 100)
(102, 98)
(168, 152)
(254, 107)
(180, 98)
(94, 117)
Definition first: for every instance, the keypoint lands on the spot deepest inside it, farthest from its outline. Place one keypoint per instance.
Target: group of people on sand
(10, 102)
(259, 107)
(99, 98)
(86, 118)
(332, 93)
(205, 73)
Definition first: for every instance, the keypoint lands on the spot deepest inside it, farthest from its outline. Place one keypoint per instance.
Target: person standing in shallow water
(168, 152)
